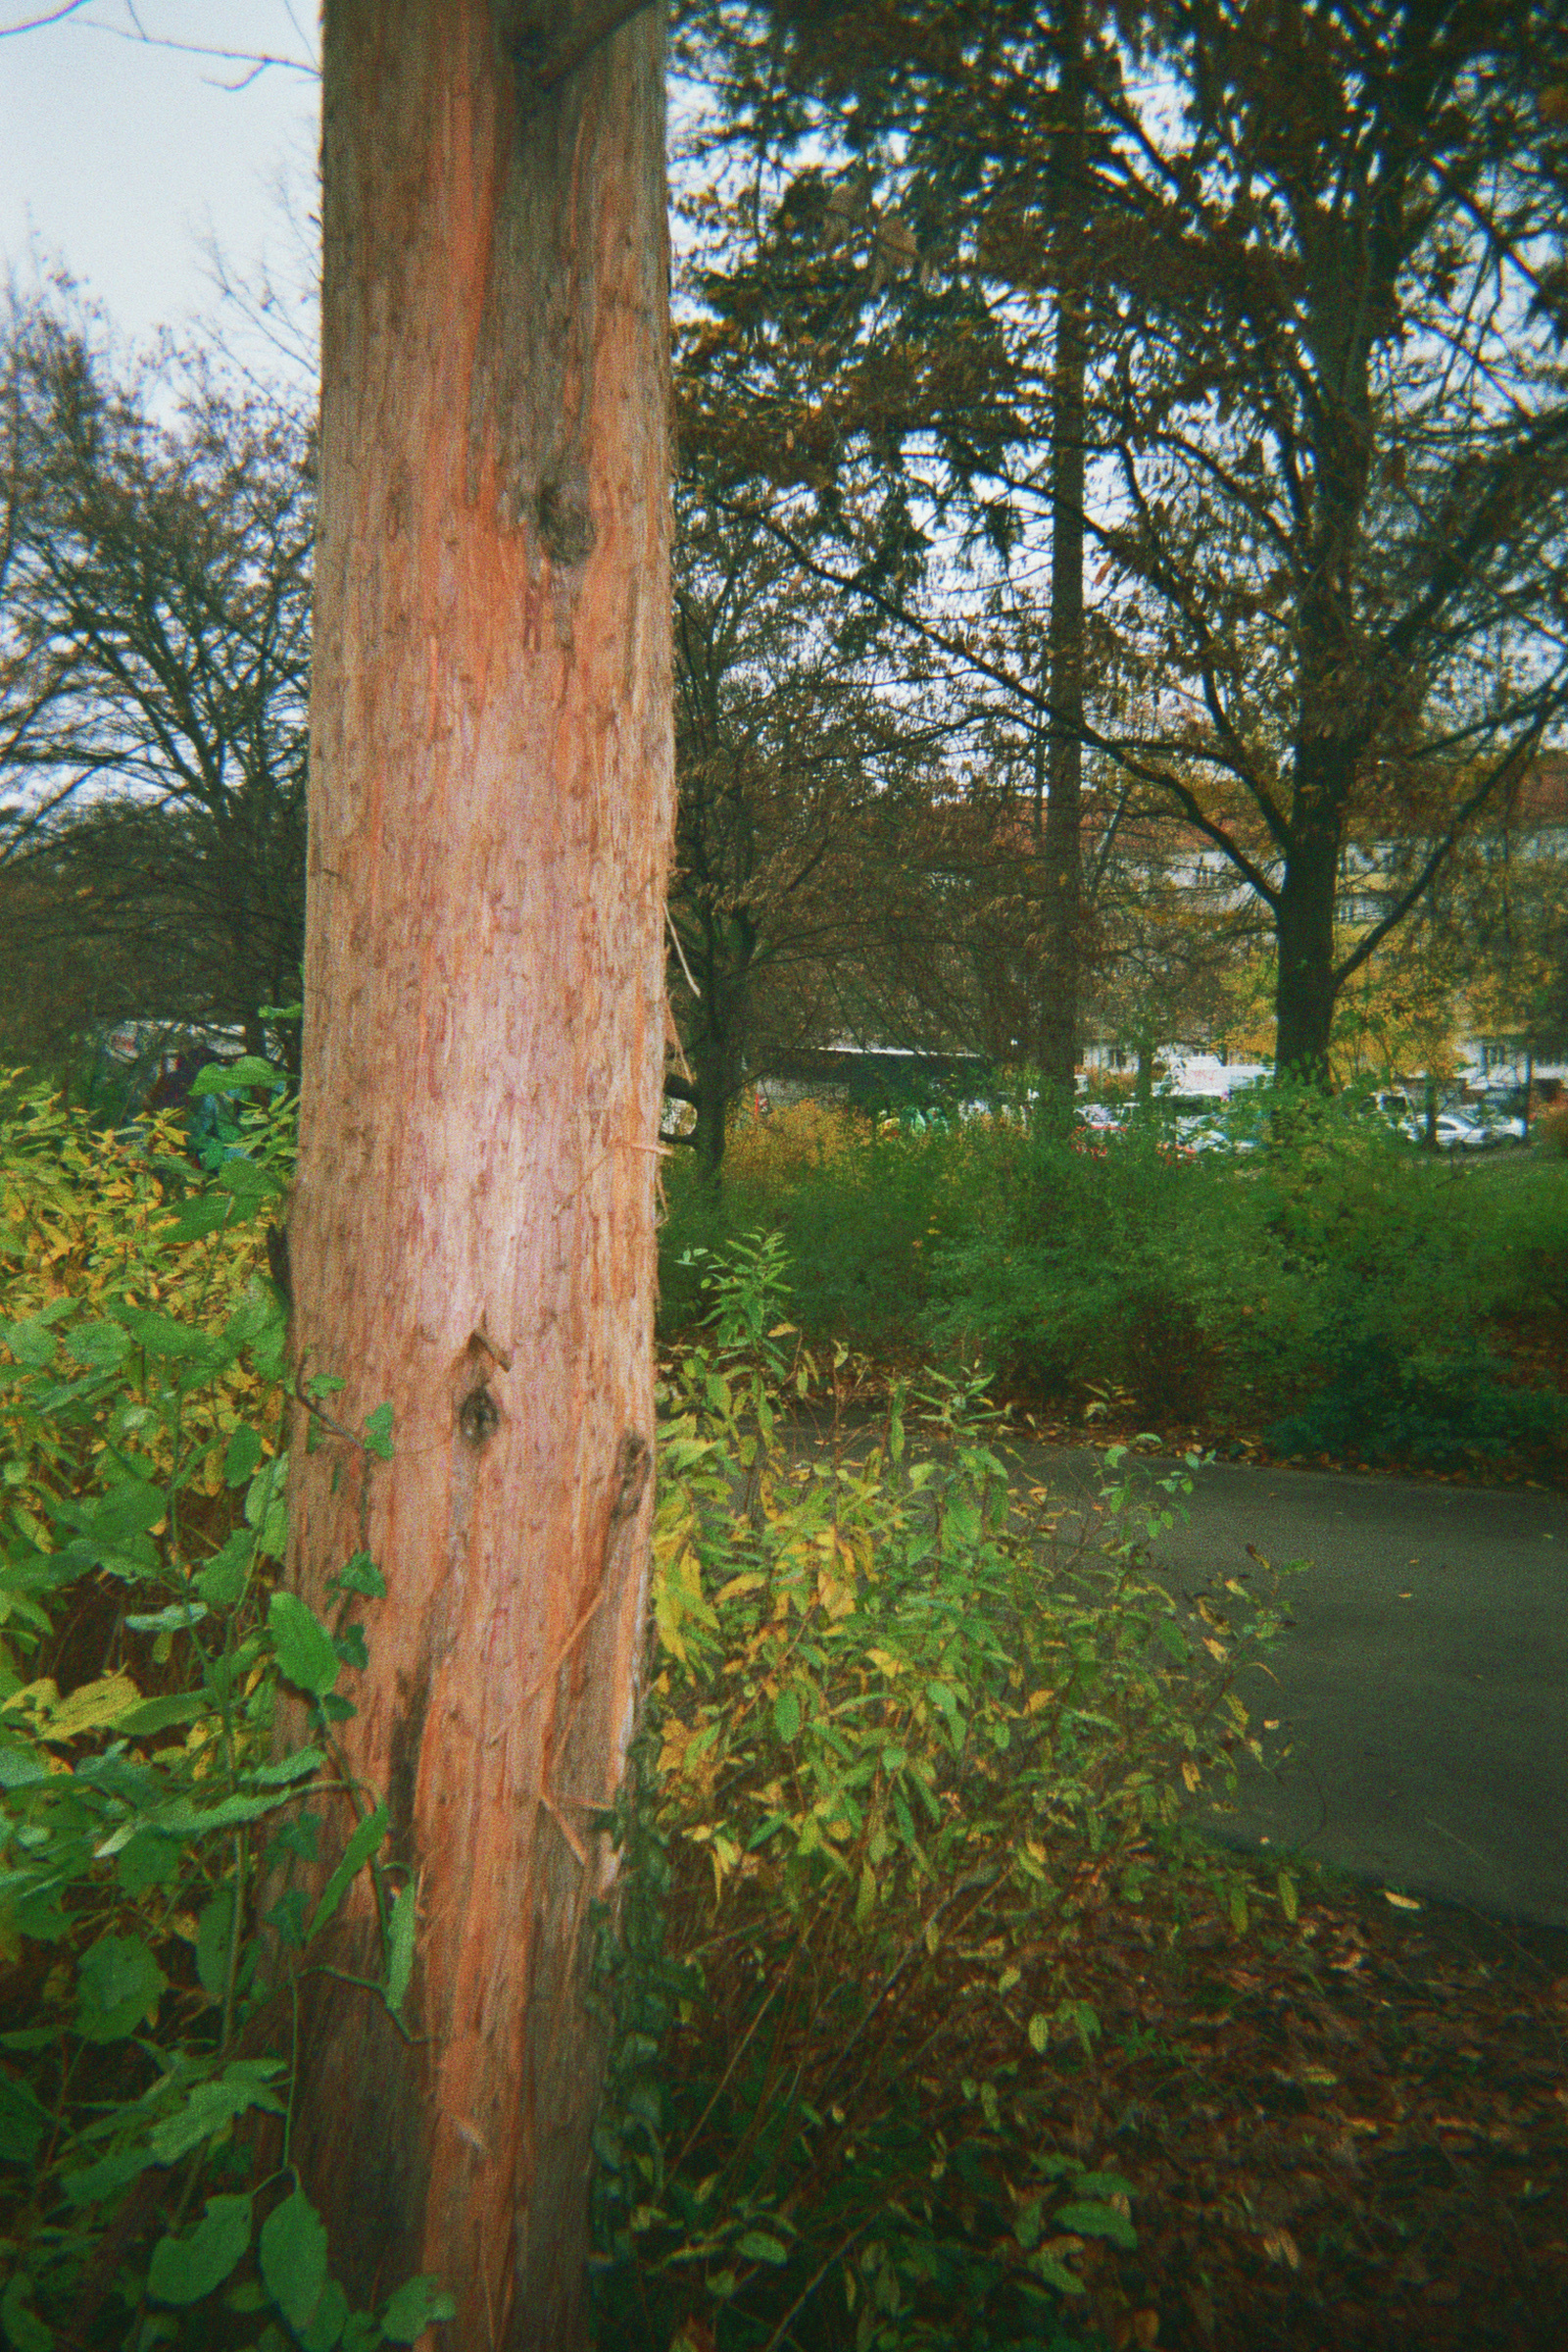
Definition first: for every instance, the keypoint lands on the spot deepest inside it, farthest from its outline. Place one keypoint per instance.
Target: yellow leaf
(1191, 1774)
(90, 1709)
(40, 1697)
(1400, 1902)
(751, 1581)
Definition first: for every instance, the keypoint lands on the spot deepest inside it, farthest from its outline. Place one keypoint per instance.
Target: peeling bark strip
(472, 1232)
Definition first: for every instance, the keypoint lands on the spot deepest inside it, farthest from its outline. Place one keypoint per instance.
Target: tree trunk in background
(1062, 857)
(491, 807)
(709, 1131)
(1305, 988)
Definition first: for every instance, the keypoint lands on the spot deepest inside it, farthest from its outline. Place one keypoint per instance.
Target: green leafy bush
(1325, 1280)
(146, 1812)
(861, 1212)
(1086, 1262)
(898, 1747)
(1371, 1275)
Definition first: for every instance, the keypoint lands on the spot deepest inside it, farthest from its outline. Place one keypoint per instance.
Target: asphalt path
(1422, 1680)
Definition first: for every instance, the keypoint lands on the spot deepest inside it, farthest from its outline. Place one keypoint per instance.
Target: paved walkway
(1423, 1681)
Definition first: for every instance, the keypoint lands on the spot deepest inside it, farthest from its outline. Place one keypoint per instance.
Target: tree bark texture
(1062, 849)
(1306, 987)
(472, 1234)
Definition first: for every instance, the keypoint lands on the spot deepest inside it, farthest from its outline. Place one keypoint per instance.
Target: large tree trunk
(491, 805)
(1062, 852)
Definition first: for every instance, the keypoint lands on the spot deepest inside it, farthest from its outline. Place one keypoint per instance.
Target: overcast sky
(117, 157)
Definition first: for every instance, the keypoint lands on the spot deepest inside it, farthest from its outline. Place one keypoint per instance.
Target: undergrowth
(144, 1801)
(898, 1743)
(901, 1746)
(1324, 1284)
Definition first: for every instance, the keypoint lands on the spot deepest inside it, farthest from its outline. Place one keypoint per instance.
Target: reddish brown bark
(491, 805)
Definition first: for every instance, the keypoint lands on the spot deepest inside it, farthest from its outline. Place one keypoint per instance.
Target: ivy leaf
(379, 1431)
(117, 1984)
(358, 1852)
(306, 1657)
(413, 2309)
(293, 2258)
(363, 1576)
(185, 2268)
(22, 2122)
(400, 1949)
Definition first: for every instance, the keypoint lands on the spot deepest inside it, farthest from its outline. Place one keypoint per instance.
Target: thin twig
(815, 2281)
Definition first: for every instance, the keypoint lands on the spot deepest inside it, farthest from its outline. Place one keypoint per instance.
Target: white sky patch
(121, 158)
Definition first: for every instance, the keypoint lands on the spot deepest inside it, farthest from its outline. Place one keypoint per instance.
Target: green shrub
(1084, 1262)
(143, 1802)
(861, 1212)
(1373, 1274)
(894, 1752)
(1331, 1282)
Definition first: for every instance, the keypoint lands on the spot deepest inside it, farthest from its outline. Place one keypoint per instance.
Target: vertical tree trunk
(1303, 920)
(712, 1105)
(1063, 855)
(491, 805)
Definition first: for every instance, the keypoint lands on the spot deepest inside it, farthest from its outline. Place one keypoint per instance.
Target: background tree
(153, 653)
(472, 1231)
(1324, 405)
(802, 770)
(1342, 442)
(1172, 944)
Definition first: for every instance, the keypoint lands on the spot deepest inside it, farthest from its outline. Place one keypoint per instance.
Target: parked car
(1499, 1127)
(1454, 1134)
